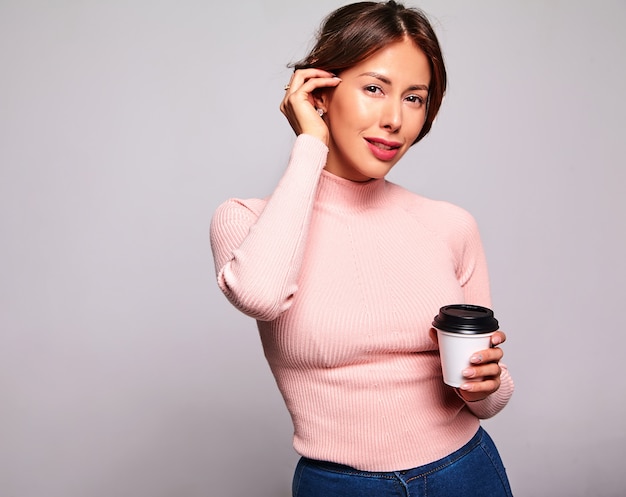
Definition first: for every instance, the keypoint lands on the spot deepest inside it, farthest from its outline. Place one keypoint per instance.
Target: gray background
(123, 370)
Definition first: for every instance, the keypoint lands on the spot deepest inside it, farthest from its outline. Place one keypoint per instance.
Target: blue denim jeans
(475, 470)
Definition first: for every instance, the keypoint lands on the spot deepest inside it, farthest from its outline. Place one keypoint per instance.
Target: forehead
(400, 61)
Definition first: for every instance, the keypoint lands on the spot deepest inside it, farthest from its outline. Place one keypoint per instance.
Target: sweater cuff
(311, 144)
(492, 405)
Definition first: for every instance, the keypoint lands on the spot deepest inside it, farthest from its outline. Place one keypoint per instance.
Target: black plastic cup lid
(466, 319)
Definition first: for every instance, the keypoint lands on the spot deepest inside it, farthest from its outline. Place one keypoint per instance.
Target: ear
(320, 99)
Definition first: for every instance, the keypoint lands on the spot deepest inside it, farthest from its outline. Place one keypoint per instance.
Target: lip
(382, 149)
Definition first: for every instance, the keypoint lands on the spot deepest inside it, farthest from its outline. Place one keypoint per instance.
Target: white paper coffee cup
(462, 330)
(455, 351)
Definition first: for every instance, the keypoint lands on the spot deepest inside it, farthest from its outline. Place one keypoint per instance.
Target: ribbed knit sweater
(344, 279)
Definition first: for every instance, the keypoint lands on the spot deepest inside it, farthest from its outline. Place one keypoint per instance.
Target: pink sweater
(344, 280)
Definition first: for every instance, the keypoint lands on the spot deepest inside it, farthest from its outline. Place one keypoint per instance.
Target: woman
(344, 272)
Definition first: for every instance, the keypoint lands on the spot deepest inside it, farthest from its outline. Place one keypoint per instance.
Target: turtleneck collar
(348, 195)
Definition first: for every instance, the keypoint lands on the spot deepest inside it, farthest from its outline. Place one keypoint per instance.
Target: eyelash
(377, 89)
(418, 99)
(373, 89)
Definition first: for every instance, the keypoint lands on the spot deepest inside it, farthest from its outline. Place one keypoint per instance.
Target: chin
(377, 173)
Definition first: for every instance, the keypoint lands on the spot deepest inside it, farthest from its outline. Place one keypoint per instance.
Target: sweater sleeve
(258, 249)
(492, 405)
(474, 279)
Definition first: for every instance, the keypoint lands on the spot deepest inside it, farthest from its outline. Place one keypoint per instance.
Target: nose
(391, 118)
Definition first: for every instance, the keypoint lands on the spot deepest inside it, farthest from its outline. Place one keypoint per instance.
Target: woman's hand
(299, 104)
(483, 374)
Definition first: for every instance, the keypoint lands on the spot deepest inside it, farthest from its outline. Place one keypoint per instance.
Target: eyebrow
(387, 81)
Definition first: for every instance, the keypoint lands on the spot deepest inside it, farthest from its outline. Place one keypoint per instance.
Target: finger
(483, 372)
(304, 92)
(433, 335)
(498, 338)
(488, 355)
(310, 85)
(301, 77)
(480, 388)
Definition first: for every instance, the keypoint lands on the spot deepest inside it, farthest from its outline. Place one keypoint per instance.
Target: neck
(350, 195)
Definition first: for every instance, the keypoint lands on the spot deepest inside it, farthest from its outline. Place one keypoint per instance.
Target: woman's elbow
(262, 304)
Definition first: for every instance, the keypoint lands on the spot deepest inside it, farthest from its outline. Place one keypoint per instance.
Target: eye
(373, 89)
(415, 99)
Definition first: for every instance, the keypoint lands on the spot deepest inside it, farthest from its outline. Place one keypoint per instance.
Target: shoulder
(437, 214)
(453, 225)
(236, 212)
(240, 207)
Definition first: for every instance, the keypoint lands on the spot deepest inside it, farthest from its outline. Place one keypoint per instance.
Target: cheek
(416, 123)
(353, 112)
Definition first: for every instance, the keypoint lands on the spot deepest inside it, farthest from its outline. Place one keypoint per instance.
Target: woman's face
(377, 111)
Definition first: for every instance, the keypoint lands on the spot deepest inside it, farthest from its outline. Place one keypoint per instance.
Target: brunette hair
(353, 32)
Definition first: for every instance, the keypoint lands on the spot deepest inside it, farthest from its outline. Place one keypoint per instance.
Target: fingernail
(468, 373)
(477, 358)
(496, 340)
(465, 386)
